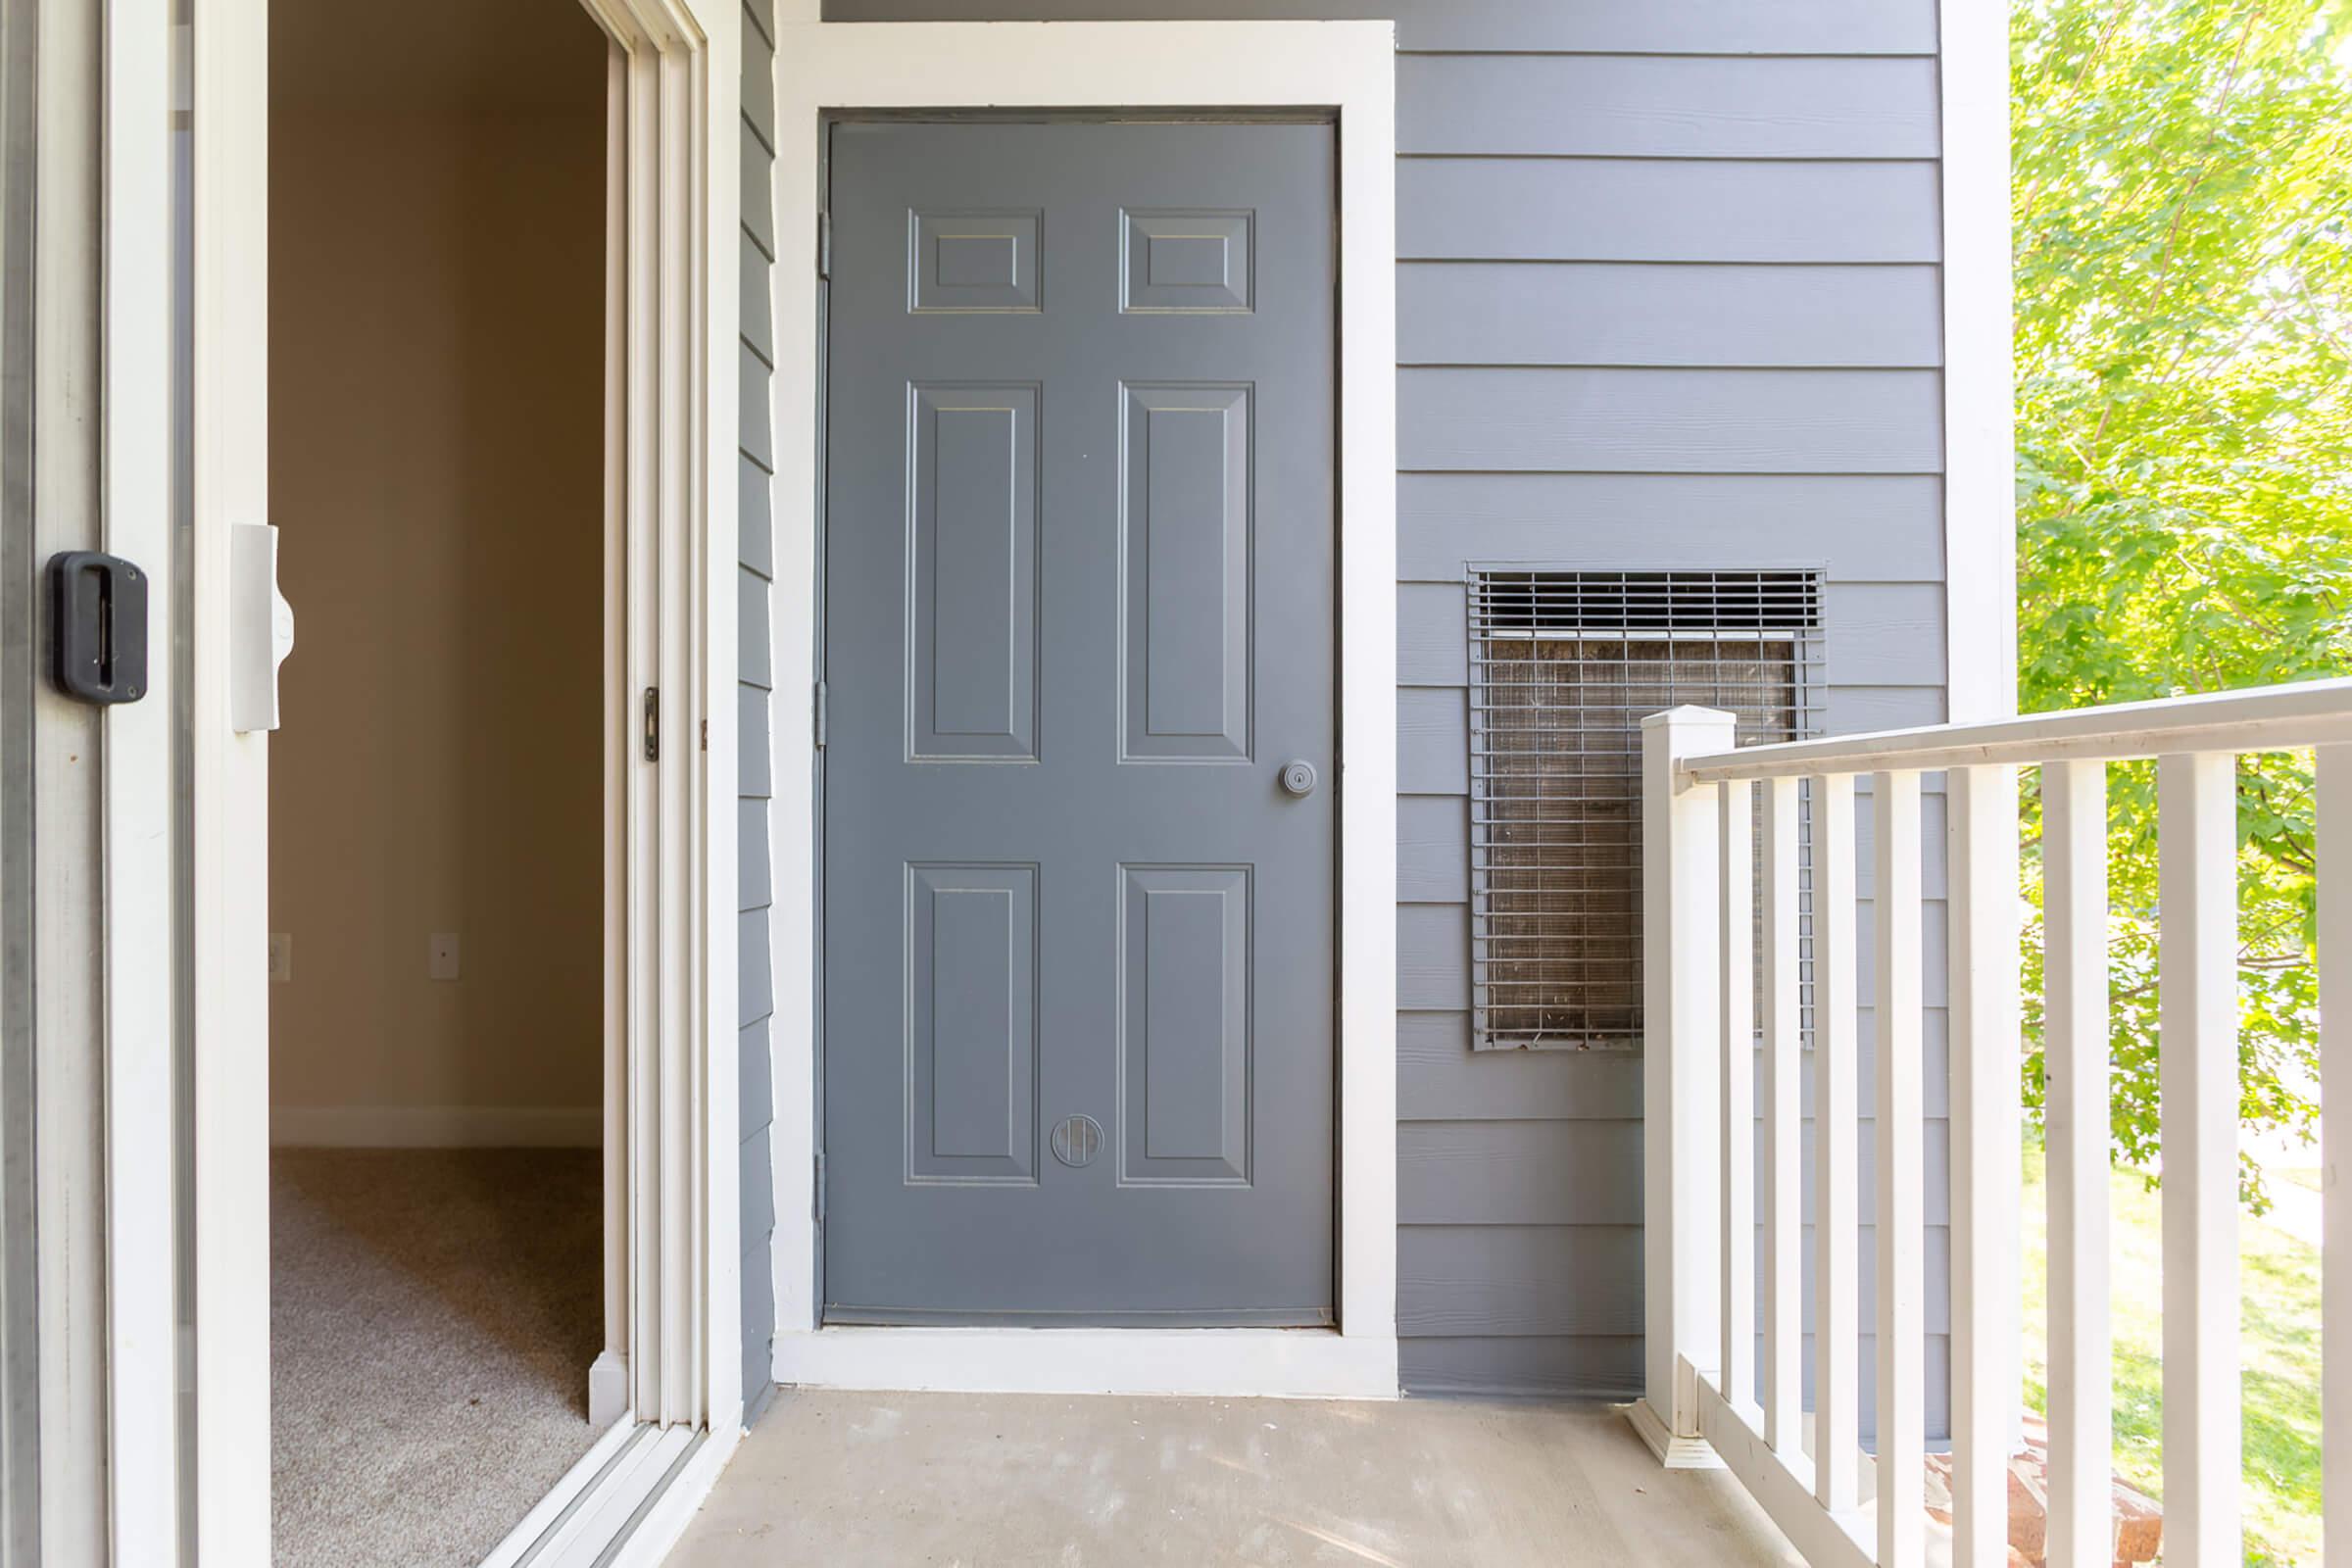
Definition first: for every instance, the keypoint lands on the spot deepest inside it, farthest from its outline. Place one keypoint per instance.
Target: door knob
(1299, 777)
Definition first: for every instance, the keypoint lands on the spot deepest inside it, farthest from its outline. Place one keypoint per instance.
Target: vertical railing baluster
(1784, 1128)
(1901, 1217)
(2336, 1147)
(1837, 1410)
(1984, 1119)
(2196, 814)
(2073, 854)
(1739, 996)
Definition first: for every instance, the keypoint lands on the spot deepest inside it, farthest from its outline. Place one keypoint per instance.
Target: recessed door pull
(98, 627)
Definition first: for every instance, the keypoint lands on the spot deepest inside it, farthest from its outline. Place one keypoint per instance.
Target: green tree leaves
(2182, 189)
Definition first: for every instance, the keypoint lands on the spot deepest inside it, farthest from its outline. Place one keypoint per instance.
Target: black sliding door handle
(98, 626)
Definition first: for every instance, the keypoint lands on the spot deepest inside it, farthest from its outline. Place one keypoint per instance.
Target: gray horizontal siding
(1860, 527)
(1665, 107)
(755, 515)
(754, 976)
(1433, 849)
(1667, 295)
(1581, 1366)
(754, 1067)
(1704, 314)
(754, 883)
(1519, 1279)
(755, 355)
(1585, 1279)
(1518, 1173)
(1469, 1366)
(1595, 27)
(756, 309)
(1439, 1078)
(1651, 210)
(758, 219)
(1521, 419)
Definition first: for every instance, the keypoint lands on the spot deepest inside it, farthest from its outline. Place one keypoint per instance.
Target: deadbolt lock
(1299, 777)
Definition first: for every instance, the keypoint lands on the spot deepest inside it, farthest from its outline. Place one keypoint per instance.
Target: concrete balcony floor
(989, 1480)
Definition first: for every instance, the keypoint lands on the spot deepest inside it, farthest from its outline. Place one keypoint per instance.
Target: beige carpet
(432, 1316)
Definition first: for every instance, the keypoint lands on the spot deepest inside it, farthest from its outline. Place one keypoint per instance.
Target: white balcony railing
(1703, 1213)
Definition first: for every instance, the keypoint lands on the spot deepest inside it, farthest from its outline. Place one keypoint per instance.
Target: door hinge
(824, 245)
(820, 1186)
(817, 707)
(652, 723)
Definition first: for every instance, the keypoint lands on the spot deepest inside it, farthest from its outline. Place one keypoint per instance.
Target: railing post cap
(1687, 715)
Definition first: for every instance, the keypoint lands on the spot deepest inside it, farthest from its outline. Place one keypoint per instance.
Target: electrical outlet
(281, 956)
(441, 957)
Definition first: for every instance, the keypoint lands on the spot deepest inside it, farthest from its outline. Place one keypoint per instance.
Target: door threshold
(623, 1504)
(1239, 1362)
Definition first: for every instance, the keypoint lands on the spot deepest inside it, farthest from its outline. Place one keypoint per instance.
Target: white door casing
(1348, 69)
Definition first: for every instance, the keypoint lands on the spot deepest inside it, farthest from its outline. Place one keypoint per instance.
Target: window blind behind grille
(1563, 669)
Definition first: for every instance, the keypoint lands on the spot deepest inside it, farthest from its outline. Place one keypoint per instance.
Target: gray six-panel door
(1080, 546)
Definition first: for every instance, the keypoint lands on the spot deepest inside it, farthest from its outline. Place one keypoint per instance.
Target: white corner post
(1681, 1080)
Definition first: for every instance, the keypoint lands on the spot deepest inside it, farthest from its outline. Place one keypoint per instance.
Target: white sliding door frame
(230, 1462)
(672, 1068)
(1343, 69)
(142, 1303)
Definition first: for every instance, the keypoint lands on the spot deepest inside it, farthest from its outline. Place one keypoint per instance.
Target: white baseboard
(436, 1126)
(1263, 1363)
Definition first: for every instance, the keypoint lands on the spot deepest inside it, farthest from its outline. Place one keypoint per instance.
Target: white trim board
(1274, 1363)
(1979, 446)
(1348, 70)
(143, 1309)
(436, 1126)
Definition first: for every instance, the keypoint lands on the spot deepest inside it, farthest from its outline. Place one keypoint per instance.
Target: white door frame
(142, 1316)
(679, 86)
(1346, 69)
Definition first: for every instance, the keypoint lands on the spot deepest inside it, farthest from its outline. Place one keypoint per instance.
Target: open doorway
(437, 822)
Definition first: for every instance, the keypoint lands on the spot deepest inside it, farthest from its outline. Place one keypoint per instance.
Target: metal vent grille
(1564, 666)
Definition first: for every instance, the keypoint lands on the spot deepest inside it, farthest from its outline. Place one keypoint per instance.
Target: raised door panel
(971, 1023)
(1187, 263)
(1184, 1025)
(971, 632)
(966, 263)
(1185, 543)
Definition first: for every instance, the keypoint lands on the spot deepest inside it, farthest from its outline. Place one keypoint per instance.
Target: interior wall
(436, 391)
